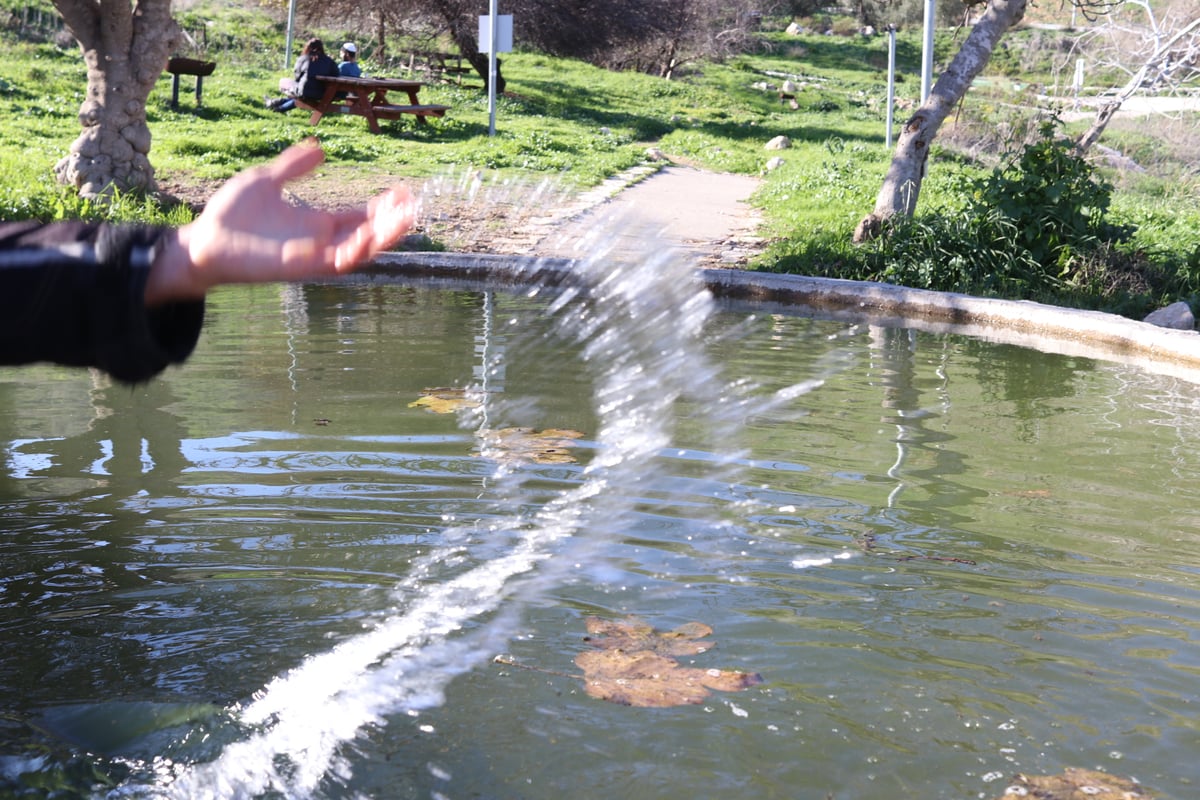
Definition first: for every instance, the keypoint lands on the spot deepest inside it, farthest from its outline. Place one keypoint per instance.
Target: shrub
(1051, 194)
(1034, 228)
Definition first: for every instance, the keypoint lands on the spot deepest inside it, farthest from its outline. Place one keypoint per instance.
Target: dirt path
(706, 213)
(1134, 107)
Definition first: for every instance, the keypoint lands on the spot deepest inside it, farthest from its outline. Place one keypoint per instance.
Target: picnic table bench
(368, 97)
(437, 65)
(188, 66)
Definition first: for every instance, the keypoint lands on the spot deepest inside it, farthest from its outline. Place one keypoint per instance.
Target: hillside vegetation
(1005, 209)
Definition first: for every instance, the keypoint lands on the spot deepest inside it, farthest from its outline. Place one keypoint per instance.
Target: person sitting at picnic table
(349, 66)
(312, 65)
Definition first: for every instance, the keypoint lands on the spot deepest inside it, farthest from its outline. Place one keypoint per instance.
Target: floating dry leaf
(444, 401)
(634, 665)
(632, 634)
(1075, 783)
(549, 446)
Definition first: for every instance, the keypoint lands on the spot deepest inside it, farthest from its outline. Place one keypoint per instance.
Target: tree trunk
(380, 36)
(125, 46)
(902, 184)
(469, 47)
(467, 42)
(1151, 68)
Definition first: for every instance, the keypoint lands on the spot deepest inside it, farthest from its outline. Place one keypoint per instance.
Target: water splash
(640, 324)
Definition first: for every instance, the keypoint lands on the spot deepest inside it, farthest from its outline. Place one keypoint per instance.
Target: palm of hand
(249, 232)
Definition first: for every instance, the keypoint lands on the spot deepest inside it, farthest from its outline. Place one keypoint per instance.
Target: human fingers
(368, 231)
(296, 161)
(391, 215)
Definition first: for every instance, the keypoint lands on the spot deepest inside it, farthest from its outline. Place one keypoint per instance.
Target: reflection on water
(951, 562)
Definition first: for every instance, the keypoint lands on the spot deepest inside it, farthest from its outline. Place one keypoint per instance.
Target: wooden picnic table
(368, 97)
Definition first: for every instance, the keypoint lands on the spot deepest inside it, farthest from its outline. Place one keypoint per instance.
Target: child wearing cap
(349, 66)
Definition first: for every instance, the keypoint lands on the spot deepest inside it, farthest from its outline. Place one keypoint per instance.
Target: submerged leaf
(633, 665)
(1075, 783)
(549, 446)
(444, 401)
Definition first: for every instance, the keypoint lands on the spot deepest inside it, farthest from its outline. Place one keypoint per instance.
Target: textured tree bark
(125, 47)
(902, 184)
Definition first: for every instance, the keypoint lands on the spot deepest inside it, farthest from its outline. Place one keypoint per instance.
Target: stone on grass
(1177, 316)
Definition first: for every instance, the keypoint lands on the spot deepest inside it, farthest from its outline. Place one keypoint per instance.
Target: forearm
(75, 294)
(171, 277)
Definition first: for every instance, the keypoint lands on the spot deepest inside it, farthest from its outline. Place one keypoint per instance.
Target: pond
(278, 571)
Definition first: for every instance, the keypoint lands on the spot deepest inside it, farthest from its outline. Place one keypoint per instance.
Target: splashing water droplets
(639, 323)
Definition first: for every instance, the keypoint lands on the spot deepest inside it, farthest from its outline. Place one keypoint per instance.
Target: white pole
(287, 54)
(493, 26)
(891, 97)
(927, 51)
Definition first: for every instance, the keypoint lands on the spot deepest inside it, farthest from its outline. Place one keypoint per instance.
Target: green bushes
(1036, 227)
(1053, 197)
(968, 252)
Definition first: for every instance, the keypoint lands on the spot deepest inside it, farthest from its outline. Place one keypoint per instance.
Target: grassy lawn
(577, 124)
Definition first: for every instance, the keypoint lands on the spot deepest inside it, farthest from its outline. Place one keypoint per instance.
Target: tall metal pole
(927, 50)
(287, 54)
(493, 24)
(891, 97)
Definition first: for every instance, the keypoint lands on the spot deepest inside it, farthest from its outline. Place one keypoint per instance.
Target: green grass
(580, 125)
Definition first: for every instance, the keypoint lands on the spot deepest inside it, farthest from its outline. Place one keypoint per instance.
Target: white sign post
(891, 94)
(494, 39)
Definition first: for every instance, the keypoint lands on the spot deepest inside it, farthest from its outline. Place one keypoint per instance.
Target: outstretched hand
(249, 233)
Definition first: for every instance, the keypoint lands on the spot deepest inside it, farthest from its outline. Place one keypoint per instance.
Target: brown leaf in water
(444, 401)
(1075, 783)
(632, 634)
(633, 665)
(549, 446)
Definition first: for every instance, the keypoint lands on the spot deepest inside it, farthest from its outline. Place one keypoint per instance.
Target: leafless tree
(1158, 52)
(125, 47)
(655, 36)
(672, 33)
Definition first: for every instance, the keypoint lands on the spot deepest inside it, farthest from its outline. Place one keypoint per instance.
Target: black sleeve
(72, 293)
(311, 87)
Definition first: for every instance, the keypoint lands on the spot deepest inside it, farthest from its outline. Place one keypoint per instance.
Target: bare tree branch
(1173, 62)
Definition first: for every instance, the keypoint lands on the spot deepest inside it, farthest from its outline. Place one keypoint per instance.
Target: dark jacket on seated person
(309, 71)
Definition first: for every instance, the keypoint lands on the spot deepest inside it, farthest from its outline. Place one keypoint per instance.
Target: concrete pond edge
(1051, 329)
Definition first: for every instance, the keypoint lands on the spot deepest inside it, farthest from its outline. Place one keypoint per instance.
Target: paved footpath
(707, 213)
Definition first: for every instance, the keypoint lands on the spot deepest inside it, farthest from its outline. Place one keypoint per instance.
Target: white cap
(349, 47)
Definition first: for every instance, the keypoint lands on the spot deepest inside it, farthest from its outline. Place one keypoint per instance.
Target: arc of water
(640, 326)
